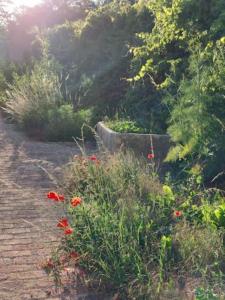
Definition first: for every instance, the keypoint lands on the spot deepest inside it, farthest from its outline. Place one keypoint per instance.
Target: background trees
(159, 64)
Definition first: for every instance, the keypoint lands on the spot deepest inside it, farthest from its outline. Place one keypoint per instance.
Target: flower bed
(137, 142)
(127, 233)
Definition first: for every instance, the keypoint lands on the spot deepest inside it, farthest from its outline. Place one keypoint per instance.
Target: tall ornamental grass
(36, 103)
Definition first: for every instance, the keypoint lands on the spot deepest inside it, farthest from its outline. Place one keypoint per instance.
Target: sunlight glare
(19, 3)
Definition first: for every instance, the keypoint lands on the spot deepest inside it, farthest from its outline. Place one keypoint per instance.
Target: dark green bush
(64, 124)
(94, 54)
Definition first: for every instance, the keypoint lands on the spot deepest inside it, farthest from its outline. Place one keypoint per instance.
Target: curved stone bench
(140, 144)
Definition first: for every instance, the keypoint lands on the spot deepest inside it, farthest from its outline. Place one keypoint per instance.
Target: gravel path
(27, 218)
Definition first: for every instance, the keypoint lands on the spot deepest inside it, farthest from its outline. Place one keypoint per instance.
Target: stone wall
(139, 143)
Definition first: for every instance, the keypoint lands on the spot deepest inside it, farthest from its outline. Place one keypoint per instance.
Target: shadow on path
(27, 218)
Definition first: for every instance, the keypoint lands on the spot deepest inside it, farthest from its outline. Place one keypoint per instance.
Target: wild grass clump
(134, 235)
(36, 103)
(32, 95)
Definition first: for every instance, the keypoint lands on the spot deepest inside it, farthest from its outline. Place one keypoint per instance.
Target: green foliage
(8, 72)
(202, 294)
(182, 58)
(126, 231)
(200, 251)
(115, 227)
(95, 51)
(36, 103)
(196, 123)
(143, 105)
(32, 95)
(161, 67)
(64, 124)
(125, 126)
(165, 50)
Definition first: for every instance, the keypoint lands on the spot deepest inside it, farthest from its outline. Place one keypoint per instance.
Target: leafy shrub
(125, 126)
(144, 105)
(197, 120)
(96, 48)
(183, 55)
(63, 123)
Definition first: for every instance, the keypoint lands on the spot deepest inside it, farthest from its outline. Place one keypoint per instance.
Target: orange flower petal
(75, 201)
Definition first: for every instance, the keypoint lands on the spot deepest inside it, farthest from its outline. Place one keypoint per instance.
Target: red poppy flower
(49, 264)
(61, 197)
(93, 158)
(55, 196)
(74, 255)
(68, 231)
(76, 201)
(177, 213)
(151, 155)
(63, 223)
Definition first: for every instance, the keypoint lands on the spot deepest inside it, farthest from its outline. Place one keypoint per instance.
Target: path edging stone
(140, 144)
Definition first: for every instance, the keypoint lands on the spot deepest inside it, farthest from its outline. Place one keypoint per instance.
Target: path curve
(26, 217)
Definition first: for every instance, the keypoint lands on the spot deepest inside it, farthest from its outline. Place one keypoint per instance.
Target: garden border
(140, 144)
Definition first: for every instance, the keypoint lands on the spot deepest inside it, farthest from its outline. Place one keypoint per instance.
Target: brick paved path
(26, 217)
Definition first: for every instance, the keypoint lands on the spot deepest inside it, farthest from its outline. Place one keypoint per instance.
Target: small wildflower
(68, 231)
(76, 201)
(61, 197)
(63, 223)
(93, 158)
(55, 196)
(151, 156)
(47, 265)
(74, 255)
(177, 213)
(52, 195)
